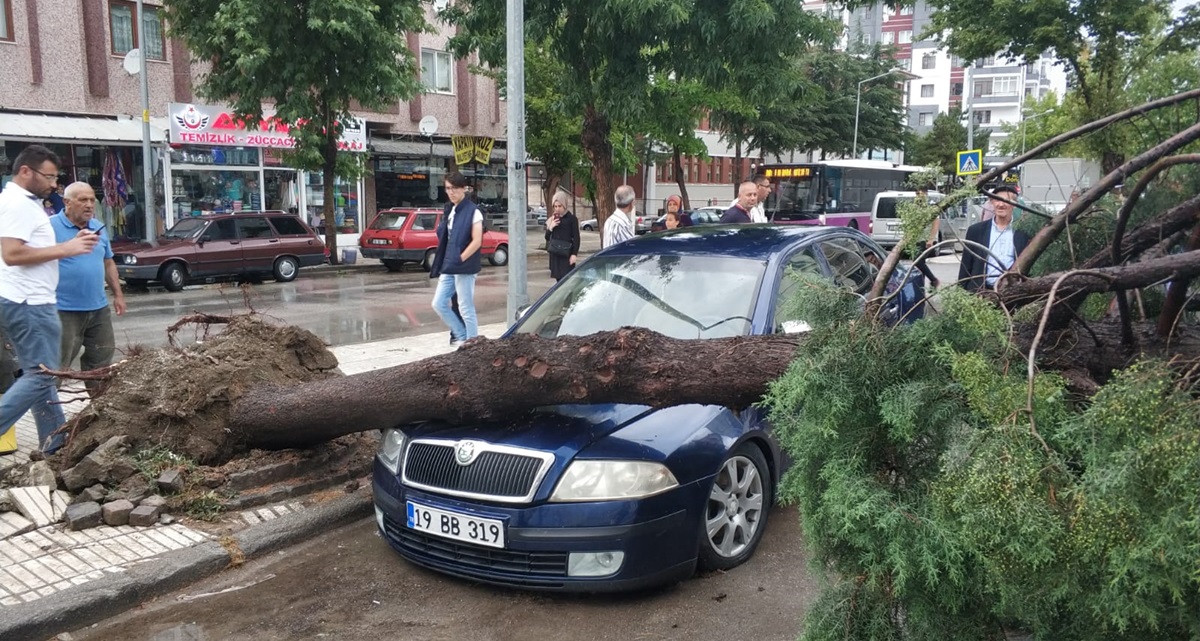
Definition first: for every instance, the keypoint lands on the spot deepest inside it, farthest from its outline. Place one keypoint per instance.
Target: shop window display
(197, 192)
(345, 203)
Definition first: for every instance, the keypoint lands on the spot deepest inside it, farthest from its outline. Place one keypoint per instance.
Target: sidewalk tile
(34, 503)
(12, 524)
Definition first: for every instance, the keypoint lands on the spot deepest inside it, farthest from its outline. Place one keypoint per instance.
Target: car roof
(754, 241)
(411, 210)
(242, 214)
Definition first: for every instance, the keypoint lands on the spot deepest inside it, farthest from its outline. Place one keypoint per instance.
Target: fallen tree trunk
(489, 378)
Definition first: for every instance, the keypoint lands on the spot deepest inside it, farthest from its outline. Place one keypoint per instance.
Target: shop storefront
(103, 152)
(408, 173)
(217, 165)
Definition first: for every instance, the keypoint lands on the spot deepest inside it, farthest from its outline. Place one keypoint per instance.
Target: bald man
(746, 200)
(82, 303)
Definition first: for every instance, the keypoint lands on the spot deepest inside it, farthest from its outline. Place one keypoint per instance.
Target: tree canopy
(312, 60)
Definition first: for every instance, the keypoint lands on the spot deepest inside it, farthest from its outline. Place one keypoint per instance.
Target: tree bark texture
(598, 148)
(490, 378)
(1171, 267)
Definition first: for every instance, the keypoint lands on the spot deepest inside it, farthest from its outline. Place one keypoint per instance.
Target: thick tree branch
(1141, 274)
(518, 373)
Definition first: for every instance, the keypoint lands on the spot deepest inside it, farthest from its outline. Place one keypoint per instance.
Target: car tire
(853, 223)
(499, 258)
(427, 262)
(173, 276)
(392, 264)
(735, 513)
(586, 227)
(285, 269)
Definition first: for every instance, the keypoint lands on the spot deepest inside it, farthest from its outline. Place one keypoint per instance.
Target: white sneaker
(457, 344)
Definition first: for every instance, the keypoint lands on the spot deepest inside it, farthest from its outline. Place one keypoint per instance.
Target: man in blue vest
(82, 303)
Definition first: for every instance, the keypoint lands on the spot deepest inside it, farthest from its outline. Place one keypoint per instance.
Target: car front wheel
(173, 277)
(427, 264)
(499, 258)
(735, 515)
(286, 268)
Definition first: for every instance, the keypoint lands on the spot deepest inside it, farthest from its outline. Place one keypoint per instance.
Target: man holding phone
(29, 255)
(82, 304)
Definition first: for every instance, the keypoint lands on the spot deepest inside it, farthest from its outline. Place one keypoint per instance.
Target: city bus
(838, 193)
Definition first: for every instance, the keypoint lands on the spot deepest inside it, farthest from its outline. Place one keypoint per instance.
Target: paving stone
(41, 474)
(153, 500)
(83, 515)
(144, 515)
(6, 502)
(106, 463)
(34, 503)
(171, 482)
(166, 519)
(117, 512)
(12, 524)
(95, 493)
(134, 488)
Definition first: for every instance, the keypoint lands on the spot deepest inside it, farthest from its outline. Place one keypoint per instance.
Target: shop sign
(208, 125)
(468, 148)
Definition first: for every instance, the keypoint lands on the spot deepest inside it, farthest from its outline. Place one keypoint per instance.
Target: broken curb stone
(95, 493)
(41, 474)
(83, 515)
(117, 512)
(153, 500)
(106, 464)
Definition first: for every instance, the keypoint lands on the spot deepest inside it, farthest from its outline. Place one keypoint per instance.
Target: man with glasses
(29, 256)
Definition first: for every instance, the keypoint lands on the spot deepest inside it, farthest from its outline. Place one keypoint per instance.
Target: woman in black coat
(562, 237)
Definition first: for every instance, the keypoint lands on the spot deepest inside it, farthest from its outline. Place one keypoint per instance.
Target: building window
(989, 61)
(982, 88)
(926, 91)
(956, 89)
(905, 64)
(983, 116)
(888, 37)
(1028, 91)
(125, 37)
(6, 30)
(906, 10)
(905, 37)
(437, 71)
(923, 119)
(1004, 86)
(929, 61)
(865, 39)
(955, 62)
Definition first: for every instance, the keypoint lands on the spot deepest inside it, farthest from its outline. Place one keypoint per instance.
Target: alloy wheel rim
(734, 510)
(501, 256)
(287, 269)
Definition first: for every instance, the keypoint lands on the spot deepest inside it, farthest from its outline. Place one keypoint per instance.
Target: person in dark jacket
(562, 226)
(457, 260)
(992, 245)
(746, 200)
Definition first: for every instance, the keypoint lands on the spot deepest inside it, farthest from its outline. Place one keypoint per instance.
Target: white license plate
(378, 241)
(893, 226)
(452, 525)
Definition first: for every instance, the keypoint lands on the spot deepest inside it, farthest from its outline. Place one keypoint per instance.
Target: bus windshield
(796, 194)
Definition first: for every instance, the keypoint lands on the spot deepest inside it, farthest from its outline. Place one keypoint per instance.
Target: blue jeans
(463, 285)
(36, 336)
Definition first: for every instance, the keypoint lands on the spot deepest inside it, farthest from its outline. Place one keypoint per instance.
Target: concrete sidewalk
(54, 580)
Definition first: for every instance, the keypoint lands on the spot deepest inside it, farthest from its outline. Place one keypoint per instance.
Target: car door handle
(273, 240)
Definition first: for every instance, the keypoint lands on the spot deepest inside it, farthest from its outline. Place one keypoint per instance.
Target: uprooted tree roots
(179, 398)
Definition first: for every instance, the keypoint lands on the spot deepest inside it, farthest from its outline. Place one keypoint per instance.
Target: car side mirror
(521, 311)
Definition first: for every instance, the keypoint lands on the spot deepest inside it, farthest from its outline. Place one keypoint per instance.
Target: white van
(885, 222)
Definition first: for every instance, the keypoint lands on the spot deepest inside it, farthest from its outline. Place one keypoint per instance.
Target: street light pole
(518, 293)
(147, 170)
(858, 99)
(1023, 119)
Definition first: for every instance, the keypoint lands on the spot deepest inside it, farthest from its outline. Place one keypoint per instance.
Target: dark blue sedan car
(612, 497)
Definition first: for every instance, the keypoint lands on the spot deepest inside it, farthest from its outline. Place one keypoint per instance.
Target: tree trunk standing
(598, 148)
(492, 378)
(329, 154)
(549, 187)
(737, 166)
(677, 159)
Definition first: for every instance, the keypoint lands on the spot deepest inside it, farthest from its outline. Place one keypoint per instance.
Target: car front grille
(497, 473)
(469, 558)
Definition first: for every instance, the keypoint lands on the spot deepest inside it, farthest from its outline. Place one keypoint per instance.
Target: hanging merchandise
(116, 190)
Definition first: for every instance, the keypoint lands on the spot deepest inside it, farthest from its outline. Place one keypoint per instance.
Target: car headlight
(130, 260)
(390, 449)
(613, 480)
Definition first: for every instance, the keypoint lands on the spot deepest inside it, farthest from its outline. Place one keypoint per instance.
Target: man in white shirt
(620, 226)
(29, 258)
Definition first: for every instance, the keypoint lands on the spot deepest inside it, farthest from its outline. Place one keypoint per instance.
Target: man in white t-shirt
(28, 280)
(620, 226)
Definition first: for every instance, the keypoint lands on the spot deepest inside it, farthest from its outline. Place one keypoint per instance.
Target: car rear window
(254, 228)
(288, 226)
(389, 220)
(886, 208)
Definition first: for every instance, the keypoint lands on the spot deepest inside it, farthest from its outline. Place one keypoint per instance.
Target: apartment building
(62, 67)
(994, 88)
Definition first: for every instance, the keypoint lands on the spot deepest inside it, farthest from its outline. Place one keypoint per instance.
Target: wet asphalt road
(348, 585)
(350, 306)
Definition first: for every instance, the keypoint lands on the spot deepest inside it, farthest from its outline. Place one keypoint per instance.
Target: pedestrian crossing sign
(970, 162)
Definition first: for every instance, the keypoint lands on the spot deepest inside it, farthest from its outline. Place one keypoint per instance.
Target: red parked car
(409, 235)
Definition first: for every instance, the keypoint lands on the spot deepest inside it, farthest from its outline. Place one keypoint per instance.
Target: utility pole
(518, 292)
(148, 204)
(969, 90)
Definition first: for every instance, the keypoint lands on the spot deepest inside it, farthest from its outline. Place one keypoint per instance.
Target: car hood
(602, 430)
(141, 248)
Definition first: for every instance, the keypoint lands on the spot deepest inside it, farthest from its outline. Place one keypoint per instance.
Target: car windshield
(661, 293)
(186, 228)
(389, 220)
